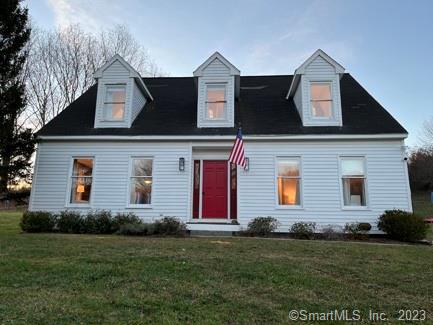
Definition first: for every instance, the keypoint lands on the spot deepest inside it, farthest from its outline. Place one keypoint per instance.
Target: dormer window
(321, 100)
(215, 101)
(114, 104)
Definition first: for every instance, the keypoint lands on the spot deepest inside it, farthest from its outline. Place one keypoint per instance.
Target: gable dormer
(315, 90)
(121, 94)
(217, 81)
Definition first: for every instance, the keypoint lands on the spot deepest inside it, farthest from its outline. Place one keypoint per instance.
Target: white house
(320, 148)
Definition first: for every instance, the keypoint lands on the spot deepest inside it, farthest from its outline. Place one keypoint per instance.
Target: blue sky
(386, 45)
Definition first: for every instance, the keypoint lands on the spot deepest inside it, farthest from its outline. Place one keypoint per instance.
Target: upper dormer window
(216, 101)
(114, 104)
(321, 99)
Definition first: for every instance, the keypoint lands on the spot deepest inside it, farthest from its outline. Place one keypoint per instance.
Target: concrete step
(211, 233)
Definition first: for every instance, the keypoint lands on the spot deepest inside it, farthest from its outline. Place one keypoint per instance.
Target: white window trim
(128, 184)
(106, 87)
(222, 84)
(301, 185)
(331, 86)
(365, 207)
(68, 203)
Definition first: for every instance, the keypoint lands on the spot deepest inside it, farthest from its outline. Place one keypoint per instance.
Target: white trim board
(270, 137)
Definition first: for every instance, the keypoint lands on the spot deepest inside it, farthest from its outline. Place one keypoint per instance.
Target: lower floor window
(289, 181)
(81, 180)
(140, 188)
(353, 179)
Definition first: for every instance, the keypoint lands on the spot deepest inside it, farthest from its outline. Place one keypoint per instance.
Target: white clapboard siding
(387, 182)
(170, 193)
(319, 70)
(138, 101)
(216, 72)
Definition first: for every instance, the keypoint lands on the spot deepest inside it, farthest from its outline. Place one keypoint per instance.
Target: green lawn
(57, 279)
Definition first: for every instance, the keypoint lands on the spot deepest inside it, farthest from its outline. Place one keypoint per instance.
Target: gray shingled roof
(261, 110)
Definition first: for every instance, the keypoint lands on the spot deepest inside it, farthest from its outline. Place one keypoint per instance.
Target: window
(353, 179)
(289, 181)
(81, 180)
(141, 181)
(215, 101)
(114, 104)
(321, 100)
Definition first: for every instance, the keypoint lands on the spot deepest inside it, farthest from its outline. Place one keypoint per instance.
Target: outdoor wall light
(181, 164)
(247, 164)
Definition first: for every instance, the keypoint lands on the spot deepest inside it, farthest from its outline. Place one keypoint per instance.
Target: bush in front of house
(137, 229)
(262, 226)
(69, 222)
(357, 230)
(98, 222)
(303, 230)
(121, 219)
(37, 221)
(169, 226)
(332, 232)
(402, 225)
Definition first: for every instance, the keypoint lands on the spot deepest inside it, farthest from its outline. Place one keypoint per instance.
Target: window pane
(354, 191)
(80, 189)
(288, 191)
(216, 93)
(115, 94)
(352, 167)
(215, 110)
(142, 167)
(114, 111)
(288, 167)
(320, 91)
(82, 167)
(141, 190)
(322, 108)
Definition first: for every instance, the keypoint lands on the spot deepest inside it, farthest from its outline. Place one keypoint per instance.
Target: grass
(65, 279)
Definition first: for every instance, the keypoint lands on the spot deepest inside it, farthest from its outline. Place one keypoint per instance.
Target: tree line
(42, 72)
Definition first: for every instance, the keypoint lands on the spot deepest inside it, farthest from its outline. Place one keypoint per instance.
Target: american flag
(237, 156)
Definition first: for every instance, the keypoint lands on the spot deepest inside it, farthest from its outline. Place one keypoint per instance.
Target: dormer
(121, 94)
(315, 90)
(217, 84)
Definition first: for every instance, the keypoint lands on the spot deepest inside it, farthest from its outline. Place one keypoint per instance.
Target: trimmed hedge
(402, 225)
(99, 222)
(262, 226)
(357, 230)
(37, 221)
(303, 230)
(69, 222)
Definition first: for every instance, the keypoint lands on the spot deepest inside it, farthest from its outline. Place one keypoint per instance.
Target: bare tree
(61, 65)
(427, 134)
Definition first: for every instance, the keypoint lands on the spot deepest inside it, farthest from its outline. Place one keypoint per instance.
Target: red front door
(214, 194)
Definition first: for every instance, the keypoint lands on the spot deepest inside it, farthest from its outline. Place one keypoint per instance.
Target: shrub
(303, 230)
(169, 226)
(136, 229)
(98, 222)
(262, 226)
(332, 232)
(357, 230)
(124, 218)
(402, 225)
(70, 222)
(37, 221)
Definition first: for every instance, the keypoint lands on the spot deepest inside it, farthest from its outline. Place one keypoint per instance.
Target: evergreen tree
(16, 143)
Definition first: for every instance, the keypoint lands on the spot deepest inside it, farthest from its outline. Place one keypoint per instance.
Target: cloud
(91, 15)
